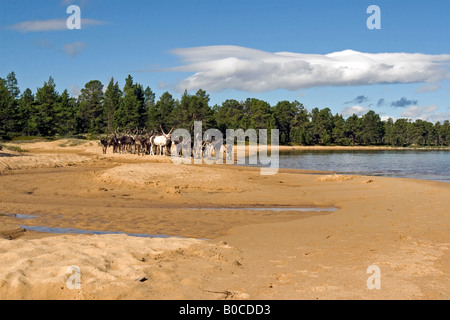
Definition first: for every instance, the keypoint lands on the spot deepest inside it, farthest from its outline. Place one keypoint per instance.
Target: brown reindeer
(114, 142)
(104, 143)
(126, 143)
(140, 143)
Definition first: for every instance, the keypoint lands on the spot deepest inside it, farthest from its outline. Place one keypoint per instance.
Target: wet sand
(400, 225)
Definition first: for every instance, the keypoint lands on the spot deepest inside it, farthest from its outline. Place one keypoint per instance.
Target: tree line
(99, 110)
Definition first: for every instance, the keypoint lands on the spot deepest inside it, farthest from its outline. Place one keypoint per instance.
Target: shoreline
(362, 148)
(281, 147)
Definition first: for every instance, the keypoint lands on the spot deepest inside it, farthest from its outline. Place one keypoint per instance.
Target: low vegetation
(13, 148)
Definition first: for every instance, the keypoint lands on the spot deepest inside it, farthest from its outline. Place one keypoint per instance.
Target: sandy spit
(398, 225)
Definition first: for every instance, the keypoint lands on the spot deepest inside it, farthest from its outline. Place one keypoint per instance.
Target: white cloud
(74, 91)
(418, 112)
(74, 49)
(427, 113)
(358, 110)
(217, 68)
(386, 118)
(162, 85)
(50, 25)
(437, 116)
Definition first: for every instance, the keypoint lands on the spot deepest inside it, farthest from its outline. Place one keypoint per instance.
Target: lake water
(145, 235)
(83, 231)
(416, 164)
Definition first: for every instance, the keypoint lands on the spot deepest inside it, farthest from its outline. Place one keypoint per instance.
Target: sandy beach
(204, 240)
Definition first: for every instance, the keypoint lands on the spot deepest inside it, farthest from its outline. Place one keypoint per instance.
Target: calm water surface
(416, 164)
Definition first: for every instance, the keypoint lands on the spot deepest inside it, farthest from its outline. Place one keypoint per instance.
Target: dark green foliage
(48, 113)
(6, 111)
(111, 104)
(45, 113)
(191, 108)
(353, 128)
(372, 131)
(26, 120)
(161, 113)
(229, 115)
(90, 112)
(322, 126)
(65, 115)
(300, 132)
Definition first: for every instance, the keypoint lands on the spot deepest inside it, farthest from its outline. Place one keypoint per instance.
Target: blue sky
(271, 50)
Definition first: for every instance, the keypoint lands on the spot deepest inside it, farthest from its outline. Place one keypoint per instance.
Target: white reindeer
(161, 141)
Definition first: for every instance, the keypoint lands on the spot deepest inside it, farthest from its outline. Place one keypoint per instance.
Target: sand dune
(20, 161)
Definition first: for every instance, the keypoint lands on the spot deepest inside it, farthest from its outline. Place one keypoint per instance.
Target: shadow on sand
(10, 155)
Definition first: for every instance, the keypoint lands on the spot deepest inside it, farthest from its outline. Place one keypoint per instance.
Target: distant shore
(352, 148)
(293, 148)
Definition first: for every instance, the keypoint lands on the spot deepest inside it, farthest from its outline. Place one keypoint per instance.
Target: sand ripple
(38, 267)
(29, 161)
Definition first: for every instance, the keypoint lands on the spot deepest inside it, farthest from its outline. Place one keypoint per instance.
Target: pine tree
(322, 125)
(229, 115)
(46, 99)
(352, 128)
(26, 118)
(90, 114)
(338, 131)
(141, 107)
(259, 114)
(301, 127)
(111, 104)
(6, 104)
(162, 113)
(65, 114)
(9, 109)
(284, 114)
(12, 85)
(401, 135)
(372, 128)
(389, 132)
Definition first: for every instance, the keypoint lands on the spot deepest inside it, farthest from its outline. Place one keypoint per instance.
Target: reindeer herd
(151, 143)
(140, 143)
